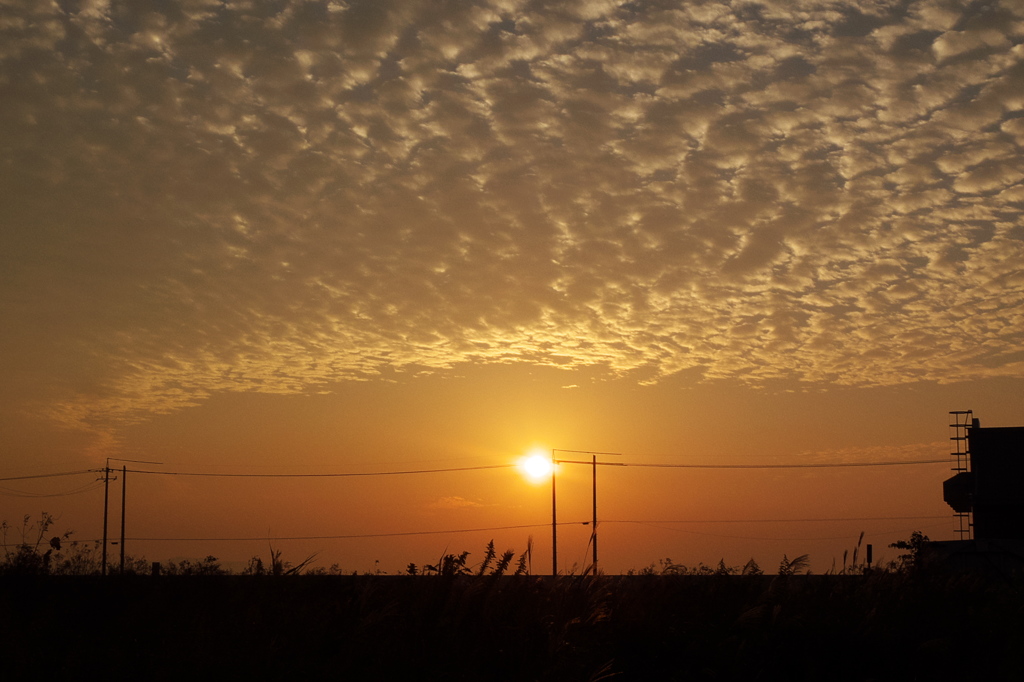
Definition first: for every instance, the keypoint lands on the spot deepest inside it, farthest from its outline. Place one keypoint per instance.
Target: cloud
(209, 197)
(453, 503)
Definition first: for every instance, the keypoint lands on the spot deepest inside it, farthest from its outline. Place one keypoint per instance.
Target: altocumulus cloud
(204, 196)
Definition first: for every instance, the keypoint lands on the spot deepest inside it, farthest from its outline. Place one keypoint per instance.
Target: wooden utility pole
(124, 482)
(554, 523)
(106, 505)
(593, 527)
(106, 499)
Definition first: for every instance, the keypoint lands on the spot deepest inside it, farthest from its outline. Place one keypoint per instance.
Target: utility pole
(106, 506)
(124, 483)
(593, 527)
(106, 498)
(554, 523)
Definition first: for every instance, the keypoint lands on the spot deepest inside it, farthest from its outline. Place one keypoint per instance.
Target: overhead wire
(344, 474)
(98, 483)
(350, 474)
(361, 535)
(654, 524)
(347, 474)
(92, 485)
(53, 475)
(804, 520)
(824, 465)
(776, 539)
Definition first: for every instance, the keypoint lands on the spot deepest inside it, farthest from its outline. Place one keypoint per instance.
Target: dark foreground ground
(877, 627)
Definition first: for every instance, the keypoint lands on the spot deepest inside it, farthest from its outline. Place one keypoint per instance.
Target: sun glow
(536, 465)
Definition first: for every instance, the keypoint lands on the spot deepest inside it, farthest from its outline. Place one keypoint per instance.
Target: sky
(363, 237)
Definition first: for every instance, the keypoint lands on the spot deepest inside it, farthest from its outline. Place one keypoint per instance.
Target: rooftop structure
(988, 489)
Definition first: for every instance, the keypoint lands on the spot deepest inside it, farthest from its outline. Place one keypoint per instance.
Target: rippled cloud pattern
(269, 196)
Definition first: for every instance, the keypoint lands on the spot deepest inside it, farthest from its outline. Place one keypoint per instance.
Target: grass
(472, 627)
(492, 621)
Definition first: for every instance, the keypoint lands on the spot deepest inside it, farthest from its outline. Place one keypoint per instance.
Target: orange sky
(381, 236)
(493, 415)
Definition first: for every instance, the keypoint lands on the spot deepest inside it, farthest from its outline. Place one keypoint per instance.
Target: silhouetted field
(882, 626)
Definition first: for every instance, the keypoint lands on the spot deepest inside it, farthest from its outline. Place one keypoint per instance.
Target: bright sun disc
(536, 466)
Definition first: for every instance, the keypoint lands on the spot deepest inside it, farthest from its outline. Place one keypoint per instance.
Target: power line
(320, 475)
(62, 473)
(75, 491)
(831, 465)
(834, 519)
(364, 535)
(777, 539)
(350, 474)
(534, 525)
(509, 466)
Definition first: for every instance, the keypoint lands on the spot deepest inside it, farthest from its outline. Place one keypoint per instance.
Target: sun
(536, 466)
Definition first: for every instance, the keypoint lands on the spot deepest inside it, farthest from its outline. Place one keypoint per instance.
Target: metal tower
(961, 454)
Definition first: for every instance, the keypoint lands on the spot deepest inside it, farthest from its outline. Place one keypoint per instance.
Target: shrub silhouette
(26, 556)
(910, 561)
(278, 566)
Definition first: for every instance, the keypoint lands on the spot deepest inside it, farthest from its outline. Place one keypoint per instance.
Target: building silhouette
(987, 497)
(991, 489)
